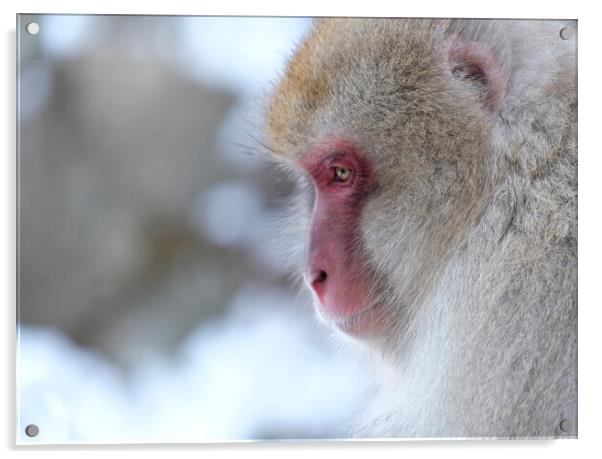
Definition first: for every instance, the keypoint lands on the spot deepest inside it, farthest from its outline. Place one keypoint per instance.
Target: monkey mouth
(363, 324)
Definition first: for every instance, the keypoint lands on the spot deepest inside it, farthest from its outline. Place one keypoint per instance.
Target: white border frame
(590, 316)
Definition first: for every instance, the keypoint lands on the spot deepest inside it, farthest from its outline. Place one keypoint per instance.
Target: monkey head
(390, 122)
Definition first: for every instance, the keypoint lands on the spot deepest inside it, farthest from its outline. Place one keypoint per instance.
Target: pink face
(335, 271)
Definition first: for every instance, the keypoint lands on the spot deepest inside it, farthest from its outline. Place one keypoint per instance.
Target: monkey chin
(365, 324)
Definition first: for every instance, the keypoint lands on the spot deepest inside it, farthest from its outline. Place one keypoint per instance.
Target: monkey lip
(364, 323)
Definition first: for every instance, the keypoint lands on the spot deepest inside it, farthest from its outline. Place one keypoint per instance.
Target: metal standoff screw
(32, 430)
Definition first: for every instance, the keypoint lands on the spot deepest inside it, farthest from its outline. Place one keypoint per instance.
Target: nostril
(321, 277)
(317, 281)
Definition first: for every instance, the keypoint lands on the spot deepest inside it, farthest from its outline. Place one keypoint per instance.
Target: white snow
(263, 370)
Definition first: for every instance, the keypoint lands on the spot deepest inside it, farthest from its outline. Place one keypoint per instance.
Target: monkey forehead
(344, 69)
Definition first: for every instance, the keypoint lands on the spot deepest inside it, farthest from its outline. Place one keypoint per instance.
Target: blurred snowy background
(149, 309)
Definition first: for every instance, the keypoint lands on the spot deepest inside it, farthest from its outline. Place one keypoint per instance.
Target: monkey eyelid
(322, 168)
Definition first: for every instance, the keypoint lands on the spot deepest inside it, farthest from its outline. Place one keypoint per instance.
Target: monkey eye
(342, 174)
(341, 170)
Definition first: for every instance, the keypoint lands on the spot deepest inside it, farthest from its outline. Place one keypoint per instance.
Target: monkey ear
(477, 64)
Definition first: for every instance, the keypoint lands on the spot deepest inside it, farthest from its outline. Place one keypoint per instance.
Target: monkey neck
(495, 310)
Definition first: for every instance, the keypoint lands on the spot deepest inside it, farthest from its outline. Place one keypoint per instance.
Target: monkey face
(395, 139)
(336, 273)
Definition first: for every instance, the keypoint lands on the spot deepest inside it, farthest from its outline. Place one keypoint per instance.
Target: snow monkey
(438, 166)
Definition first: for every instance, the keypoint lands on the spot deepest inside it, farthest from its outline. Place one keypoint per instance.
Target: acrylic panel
(268, 228)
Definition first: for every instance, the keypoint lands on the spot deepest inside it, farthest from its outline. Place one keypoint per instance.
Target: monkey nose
(317, 279)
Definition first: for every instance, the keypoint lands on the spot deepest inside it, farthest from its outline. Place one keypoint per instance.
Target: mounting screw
(33, 28)
(565, 425)
(566, 33)
(32, 430)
